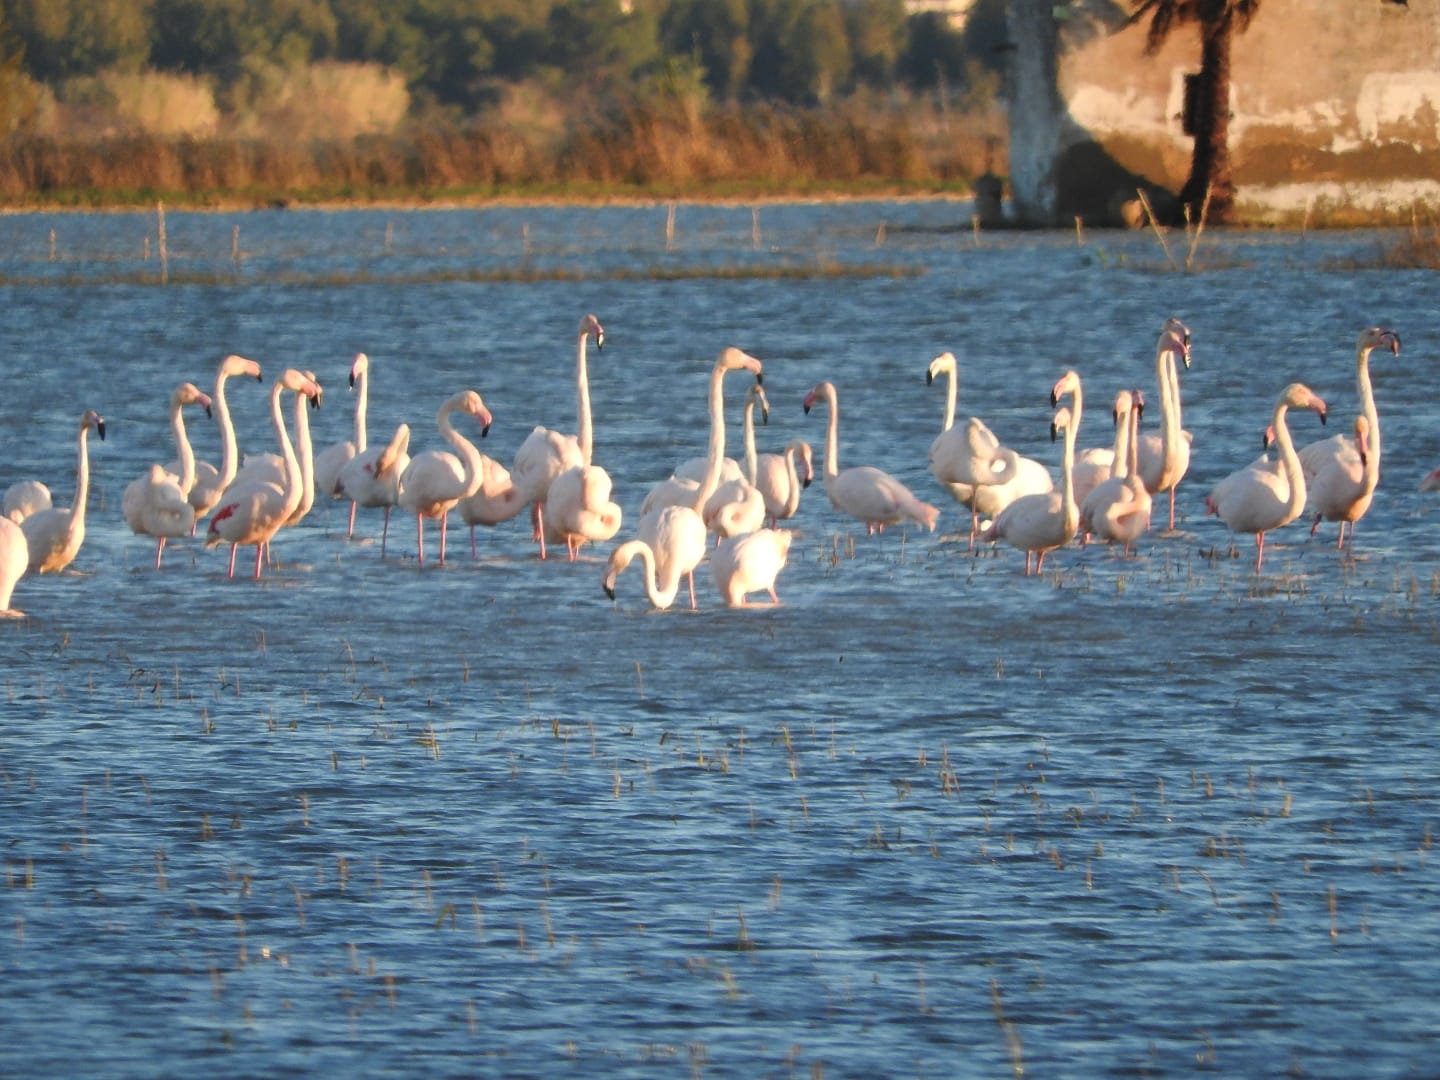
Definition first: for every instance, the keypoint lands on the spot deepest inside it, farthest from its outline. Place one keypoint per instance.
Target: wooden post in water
(670, 227)
(235, 243)
(389, 236)
(145, 248)
(160, 238)
(755, 227)
(52, 245)
(880, 235)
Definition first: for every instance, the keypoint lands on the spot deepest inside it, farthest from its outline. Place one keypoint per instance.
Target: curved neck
(1132, 449)
(659, 597)
(305, 451)
(715, 453)
(1169, 401)
(1069, 509)
(229, 455)
(792, 493)
(1289, 461)
(584, 435)
(287, 451)
(469, 455)
(362, 402)
(182, 445)
(1367, 402)
(1120, 467)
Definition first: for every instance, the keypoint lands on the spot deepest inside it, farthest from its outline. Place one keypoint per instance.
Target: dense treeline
(445, 94)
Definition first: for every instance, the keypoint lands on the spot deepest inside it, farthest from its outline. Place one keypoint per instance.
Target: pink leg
(1172, 507)
(350, 532)
(538, 516)
(385, 532)
(690, 577)
(1259, 550)
(159, 549)
(233, 548)
(420, 538)
(444, 519)
(259, 557)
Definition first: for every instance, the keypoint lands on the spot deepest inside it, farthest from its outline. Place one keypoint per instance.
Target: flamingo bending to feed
(54, 535)
(253, 512)
(14, 561)
(210, 482)
(782, 477)
(579, 509)
(971, 464)
(737, 506)
(1258, 498)
(25, 497)
(1346, 499)
(750, 563)
(661, 595)
(1038, 524)
(864, 492)
(435, 480)
(1165, 459)
(1119, 508)
(672, 517)
(158, 503)
(545, 453)
(372, 477)
(333, 458)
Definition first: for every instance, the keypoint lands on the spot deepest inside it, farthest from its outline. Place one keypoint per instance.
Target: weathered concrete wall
(1335, 104)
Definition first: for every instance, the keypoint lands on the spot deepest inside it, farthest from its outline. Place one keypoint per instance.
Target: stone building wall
(1335, 110)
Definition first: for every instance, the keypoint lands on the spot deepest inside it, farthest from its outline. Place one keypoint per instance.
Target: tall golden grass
(631, 150)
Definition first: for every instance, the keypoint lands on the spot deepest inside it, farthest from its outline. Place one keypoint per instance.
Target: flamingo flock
(735, 514)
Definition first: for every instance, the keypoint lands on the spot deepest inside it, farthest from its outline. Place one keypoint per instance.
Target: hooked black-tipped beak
(609, 591)
(315, 401)
(929, 377)
(1054, 431)
(352, 380)
(759, 378)
(765, 414)
(484, 431)
(1322, 417)
(805, 483)
(600, 341)
(208, 414)
(100, 429)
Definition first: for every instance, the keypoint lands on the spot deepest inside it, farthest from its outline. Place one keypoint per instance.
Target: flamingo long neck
(362, 403)
(306, 453)
(182, 444)
(715, 453)
(659, 597)
(1367, 403)
(287, 452)
(792, 493)
(1122, 467)
(1132, 449)
(1167, 375)
(951, 393)
(832, 435)
(469, 455)
(584, 433)
(1069, 508)
(1290, 462)
(229, 453)
(752, 460)
(82, 481)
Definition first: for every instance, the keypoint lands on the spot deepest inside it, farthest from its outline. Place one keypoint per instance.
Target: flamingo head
(1124, 402)
(944, 364)
(319, 391)
(590, 326)
(1268, 439)
(1137, 402)
(1300, 396)
(733, 359)
(470, 404)
(358, 367)
(1061, 422)
(190, 394)
(1069, 383)
(1378, 337)
(238, 365)
(1175, 337)
(756, 393)
(93, 419)
(821, 390)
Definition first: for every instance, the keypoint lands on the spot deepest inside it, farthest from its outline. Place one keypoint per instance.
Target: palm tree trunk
(1035, 110)
(1210, 162)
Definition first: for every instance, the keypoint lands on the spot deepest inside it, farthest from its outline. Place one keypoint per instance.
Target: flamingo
(54, 535)
(1119, 508)
(864, 492)
(435, 480)
(332, 459)
(1344, 487)
(1164, 459)
(253, 512)
(495, 501)
(1257, 499)
(1342, 458)
(372, 477)
(14, 561)
(661, 596)
(158, 503)
(749, 563)
(270, 467)
(25, 497)
(579, 509)
(1038, 524)
(672, 520)
(210, 482)
(971, 464)
(737, 506)
(781, 478)
(545, 454)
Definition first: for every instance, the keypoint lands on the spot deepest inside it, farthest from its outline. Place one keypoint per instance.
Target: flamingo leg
(537, 518)
(420, 538)
(385, 532)
(444, 519)
(159, 548)
(1172, 507)
(1259, 550)
(690, 577)
(259, 558)
(233, 549)
(350, 531)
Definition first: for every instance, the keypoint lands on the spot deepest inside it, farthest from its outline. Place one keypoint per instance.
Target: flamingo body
(53, 536)
(750, 563)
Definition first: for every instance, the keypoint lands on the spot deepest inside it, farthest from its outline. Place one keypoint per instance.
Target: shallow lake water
(926, 817)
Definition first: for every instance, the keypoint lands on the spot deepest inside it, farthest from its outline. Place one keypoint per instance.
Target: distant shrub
(325, 100)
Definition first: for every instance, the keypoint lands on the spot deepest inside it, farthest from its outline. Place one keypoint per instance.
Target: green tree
(1218, 22)
(802, 52)
(596, 44)
(63, 39)
(934, 55)
(716, 33)
(876, 29)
